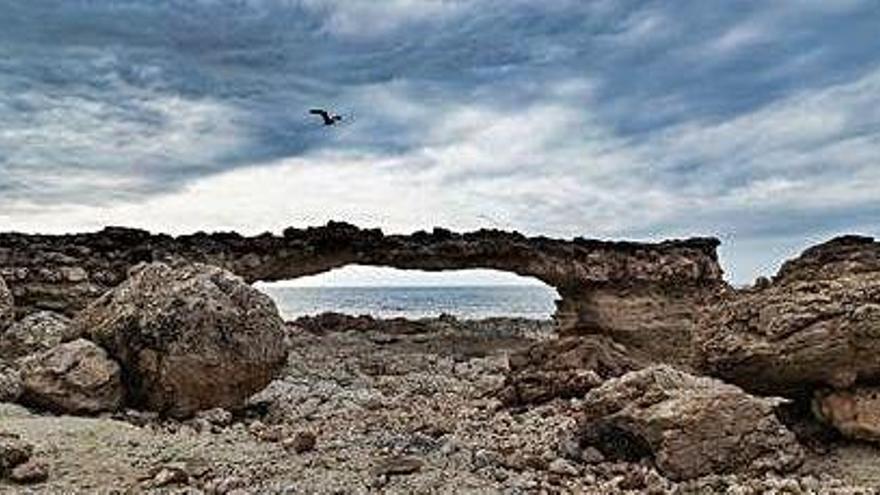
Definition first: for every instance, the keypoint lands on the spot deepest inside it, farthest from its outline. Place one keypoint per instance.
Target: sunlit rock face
(647, 296)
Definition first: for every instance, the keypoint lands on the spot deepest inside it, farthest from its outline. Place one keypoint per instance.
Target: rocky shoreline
(166, 371)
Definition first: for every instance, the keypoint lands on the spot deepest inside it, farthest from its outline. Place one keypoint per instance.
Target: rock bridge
(645, 295)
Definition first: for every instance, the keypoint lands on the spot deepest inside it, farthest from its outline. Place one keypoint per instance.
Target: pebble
(562, 467)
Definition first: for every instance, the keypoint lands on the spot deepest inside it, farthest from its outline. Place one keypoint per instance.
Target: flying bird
(329, 119)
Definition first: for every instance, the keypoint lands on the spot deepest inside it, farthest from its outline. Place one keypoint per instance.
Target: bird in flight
(329, 119)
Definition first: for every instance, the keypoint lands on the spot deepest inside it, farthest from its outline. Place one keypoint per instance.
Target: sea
(464, 302)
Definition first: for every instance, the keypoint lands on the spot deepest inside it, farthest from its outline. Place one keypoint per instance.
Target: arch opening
(384, 292)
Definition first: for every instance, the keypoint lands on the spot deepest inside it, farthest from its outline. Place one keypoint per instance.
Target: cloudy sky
(755, 121)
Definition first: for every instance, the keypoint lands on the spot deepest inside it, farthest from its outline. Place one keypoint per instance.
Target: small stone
(562, 467)
(224, 486)
(592, 455)
(397, 465)
(170, 474)
(301, 442)
(271, 434)
(217, 416)
(13, 451)
(32, 471)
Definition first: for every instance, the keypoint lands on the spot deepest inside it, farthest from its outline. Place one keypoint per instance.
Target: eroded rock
(10, 382)
(564, 368)
(189, 337)
(13, 452)
(37, 332)
(690, 426)
(7, 308)
(75, 377)
(814, 326)
(854, 413)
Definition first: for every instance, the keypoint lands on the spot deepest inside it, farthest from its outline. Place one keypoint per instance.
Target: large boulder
(7, 309)
(188, 336)
(564, 368)
(690, 426)
(814, 326)
(35, 333)
(76, 377)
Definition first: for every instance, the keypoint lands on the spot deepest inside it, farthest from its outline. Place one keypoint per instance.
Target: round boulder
(76, 377)
(189, 337)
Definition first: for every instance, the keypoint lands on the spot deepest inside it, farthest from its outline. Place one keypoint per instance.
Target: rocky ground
(369, 406)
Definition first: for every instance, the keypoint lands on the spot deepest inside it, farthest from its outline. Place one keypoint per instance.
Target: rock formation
(816, 325)
(188, 336)
(854, 413)
(646, 296)
(75, 377)
(7, 312)
(690, 426)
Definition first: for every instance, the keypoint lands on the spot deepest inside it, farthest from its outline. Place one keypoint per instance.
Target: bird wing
(323, 113)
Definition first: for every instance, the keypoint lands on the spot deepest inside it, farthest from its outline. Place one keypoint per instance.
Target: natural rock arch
(645, 295)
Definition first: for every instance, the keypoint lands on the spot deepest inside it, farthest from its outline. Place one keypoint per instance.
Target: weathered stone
(10, 382)
(7, 308)
(35, 333)
(32, 471)
(812, 327)
(189, 337)
(690, 426)
(13, 452)
(397, 465)
(75, 377)
(855, 413)
(301, 442)
(564, 368)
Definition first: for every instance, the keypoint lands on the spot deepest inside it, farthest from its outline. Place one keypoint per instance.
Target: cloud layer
(759, 123)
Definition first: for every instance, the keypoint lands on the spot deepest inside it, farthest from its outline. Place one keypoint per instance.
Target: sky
(757, 122)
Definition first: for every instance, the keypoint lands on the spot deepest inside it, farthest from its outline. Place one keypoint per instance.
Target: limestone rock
(811, 327)
(564, 368)
(189, 337)
(855, 413)
(75, 377)
(7, 309)
(35, 333)
(691, 426)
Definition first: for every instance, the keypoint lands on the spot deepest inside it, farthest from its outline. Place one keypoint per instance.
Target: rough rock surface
(37, 332)
(7, 309)
(817, 324)
(690, 426)
(645, 295)
(10, 382)
(564, 368)
(74, 377)
(188, 336)
(855, 414)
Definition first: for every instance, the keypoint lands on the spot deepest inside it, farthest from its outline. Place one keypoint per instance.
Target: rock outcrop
(75, 377)
(188, 336)
(816, 325)
(35, 333)
(645, 295)
(690, 426)
(564, 368)
(7, 310)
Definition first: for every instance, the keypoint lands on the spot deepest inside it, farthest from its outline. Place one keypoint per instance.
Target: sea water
(473, 302)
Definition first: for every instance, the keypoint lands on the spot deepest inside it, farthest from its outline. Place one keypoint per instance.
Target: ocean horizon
(461, 301)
